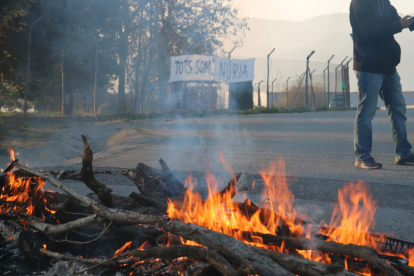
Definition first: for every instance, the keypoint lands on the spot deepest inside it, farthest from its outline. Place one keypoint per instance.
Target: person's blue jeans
(388, 87)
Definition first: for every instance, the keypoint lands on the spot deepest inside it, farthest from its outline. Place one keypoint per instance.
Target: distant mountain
(327, 35)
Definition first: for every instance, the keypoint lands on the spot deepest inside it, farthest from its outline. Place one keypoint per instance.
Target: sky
(298, 10)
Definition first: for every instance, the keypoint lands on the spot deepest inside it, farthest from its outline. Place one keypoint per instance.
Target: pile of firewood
(97, 234)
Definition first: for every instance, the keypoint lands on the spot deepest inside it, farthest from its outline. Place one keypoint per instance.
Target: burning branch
(101, 211)
(233, 250)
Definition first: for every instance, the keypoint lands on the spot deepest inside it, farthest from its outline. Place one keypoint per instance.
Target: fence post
(336, 76)
(347, 88)
(324, 86)
(268, 72)
(300, 84)
(311, 83)
(259, 102)
(287, 92)
(329, 77)
(307, 76)
(273, 92)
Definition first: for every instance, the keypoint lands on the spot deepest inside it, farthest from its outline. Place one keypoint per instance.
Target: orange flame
(120, 251)
(353, 218)
(351, 221)
(221, 214)
(44, 246)
(144, 245)
(11, 152)
(23, 192)
(411, 257)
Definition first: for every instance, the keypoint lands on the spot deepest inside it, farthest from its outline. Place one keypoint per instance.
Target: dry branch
(194, 252)
(103, 192)
(236, 252)
(60, 257)
(361, 252)
(129, 216)
(102, 211)
(59, 184)
(49, 229)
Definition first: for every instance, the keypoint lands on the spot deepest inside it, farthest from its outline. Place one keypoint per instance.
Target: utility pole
(259, 103)
(234, 48)
(268, 72)
(287, 92)
(26, 91)
(273, 90)
(307, 76)
(329, 81)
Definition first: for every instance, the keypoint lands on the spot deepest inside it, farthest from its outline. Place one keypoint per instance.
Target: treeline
(132, 42)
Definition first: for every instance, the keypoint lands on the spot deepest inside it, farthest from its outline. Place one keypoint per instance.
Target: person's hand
(406, 21)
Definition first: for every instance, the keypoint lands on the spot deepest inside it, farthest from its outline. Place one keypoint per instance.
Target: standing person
(376, 56)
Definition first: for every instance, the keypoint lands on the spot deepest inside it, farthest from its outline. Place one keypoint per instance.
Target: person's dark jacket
(374, 23)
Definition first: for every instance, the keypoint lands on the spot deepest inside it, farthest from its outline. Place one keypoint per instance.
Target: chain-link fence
(290, 87)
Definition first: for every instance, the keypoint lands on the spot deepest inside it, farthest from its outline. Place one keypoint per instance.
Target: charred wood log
(145, 200)
(193, 252)
(234, 251)
(175, 187)
(103, 193)
(229, 189)
(361, 252)
(148, 181)
(406, 270)
(304, 267)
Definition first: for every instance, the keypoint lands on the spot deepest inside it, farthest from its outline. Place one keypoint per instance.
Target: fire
(411, 257)
(23, 194)
(144, 245)
(19, 192)
(120, 251)
(353, 218)
(351, 221)
(44, 246)
(220, 213)
(11, 151)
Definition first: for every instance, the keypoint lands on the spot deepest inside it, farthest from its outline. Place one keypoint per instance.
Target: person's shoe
(407, 161)
(368, 164)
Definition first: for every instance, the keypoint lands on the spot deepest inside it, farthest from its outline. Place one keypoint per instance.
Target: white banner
(234, 70)
(209, 68)
(192, 67)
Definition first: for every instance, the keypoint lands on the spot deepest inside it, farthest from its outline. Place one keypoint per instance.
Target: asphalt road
(317, 148)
